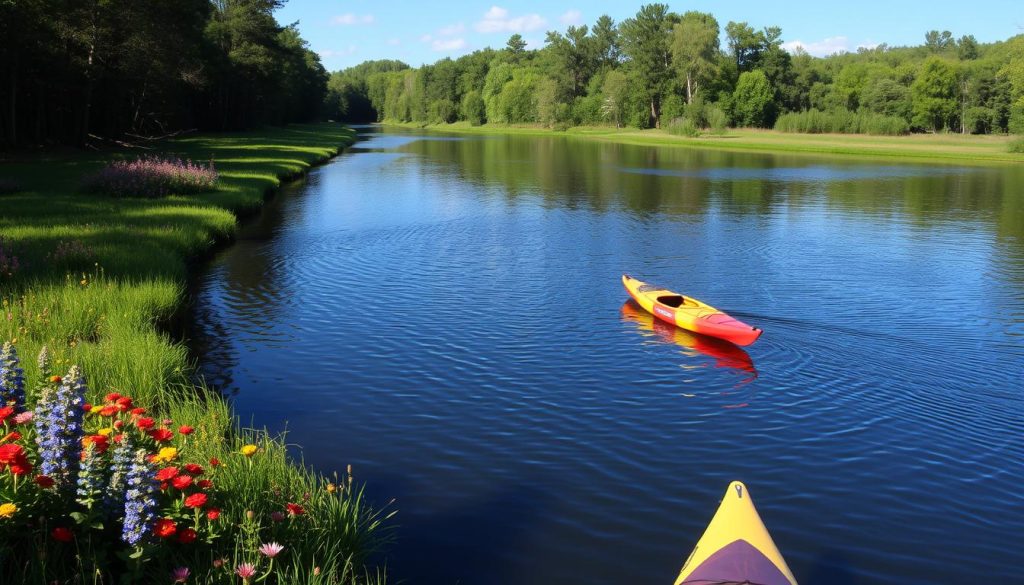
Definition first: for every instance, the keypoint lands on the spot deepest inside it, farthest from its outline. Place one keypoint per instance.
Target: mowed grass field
(958, 148)
(97, 277)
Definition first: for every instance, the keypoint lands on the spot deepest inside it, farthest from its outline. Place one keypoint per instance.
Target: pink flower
(245, 571)
(23, 417)
(271, 549)
(277, 516)
(180, 574)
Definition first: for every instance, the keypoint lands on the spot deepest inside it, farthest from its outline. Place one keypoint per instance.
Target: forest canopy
(661, 68)
(71, 71)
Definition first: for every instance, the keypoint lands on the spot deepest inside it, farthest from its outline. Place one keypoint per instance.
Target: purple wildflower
(180, 574)
(12, 379)
(139, 499)
(91, 478)
(153, 177)
(271, 549)
(58, 422)
(120, 465)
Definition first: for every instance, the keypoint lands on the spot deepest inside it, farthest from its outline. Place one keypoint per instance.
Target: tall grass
(97, 280)
(683, 127)
(1016, 145)
(841, 122)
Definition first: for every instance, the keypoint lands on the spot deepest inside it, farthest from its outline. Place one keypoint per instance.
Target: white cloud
(451, 30)
(426, 38)
(349, 19)
(328, 53)
(497, 20)
(571, 17)
(448, 44)
(394, 42)
(822, 48)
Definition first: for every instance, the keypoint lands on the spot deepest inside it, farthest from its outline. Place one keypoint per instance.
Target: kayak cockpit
(674, 301)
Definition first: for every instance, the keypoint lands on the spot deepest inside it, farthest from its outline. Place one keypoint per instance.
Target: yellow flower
(331, 487)
(166, 454)
(105, 432)
(7, 510)
(95, 409)
(248, 450)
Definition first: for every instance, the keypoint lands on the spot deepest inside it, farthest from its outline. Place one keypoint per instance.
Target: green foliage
(934, 95)
(752, 100)
(1016, 145)
(473, 108)
(661, 64)
(842, 122)
(718, 121)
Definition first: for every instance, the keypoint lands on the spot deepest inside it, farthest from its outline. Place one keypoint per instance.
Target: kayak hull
(689, 313)
(736, 547)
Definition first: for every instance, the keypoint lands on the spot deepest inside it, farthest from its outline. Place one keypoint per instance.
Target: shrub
(841, 122)
(683, 127)
(1016, 145)
(718, 121)
(152, 177)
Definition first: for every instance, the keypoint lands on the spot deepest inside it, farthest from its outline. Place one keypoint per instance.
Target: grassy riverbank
(95, 280)
(954, 148)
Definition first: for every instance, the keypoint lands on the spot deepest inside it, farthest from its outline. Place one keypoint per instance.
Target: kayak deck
(736, 547)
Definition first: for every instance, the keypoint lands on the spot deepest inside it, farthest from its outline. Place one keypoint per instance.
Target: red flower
(194, 468)
(138, 411)
(164, 485)
(144, 422)
(124, 402)
(61, 534)
(55, 379)
(213, 513)
(44, 481)
(21, 467)
(195, 501)
(111, 397)
(118, 437)
(186, 536)
(118, 424)
(10, 453)
(6, 412)
(167, 473)
(86, 407)
(204, 484)
(100, 442)
(161, 435)
(295, 509)
(164, 528)
(214, 462)
(11, 436)
(185, 430)
(108, 411)
(182, 481)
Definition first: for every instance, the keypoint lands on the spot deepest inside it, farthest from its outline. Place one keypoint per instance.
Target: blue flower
(139, 499)
(58, 421)
(12, 379)
(120, 465)
(91, 478)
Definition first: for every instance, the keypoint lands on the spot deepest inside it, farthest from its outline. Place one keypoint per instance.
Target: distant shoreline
(936, 148)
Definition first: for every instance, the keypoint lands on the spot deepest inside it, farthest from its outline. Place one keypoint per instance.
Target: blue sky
(348, 33)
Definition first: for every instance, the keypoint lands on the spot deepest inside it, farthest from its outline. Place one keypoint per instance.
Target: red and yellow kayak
(689, 313)
(736, 547)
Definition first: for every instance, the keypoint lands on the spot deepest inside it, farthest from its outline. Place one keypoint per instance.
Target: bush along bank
(114, 467)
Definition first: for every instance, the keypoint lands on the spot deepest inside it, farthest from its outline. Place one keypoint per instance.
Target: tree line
(73, 70)
(661, 67)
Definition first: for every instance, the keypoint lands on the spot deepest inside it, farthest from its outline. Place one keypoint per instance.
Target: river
(445, 313)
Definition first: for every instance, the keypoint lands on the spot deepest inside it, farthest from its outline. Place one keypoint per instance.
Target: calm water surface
(445, 314)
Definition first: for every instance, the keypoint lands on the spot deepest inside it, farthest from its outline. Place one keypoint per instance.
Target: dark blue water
(446, 315)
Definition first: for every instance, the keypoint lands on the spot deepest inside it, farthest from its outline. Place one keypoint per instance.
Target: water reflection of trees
(573, 172)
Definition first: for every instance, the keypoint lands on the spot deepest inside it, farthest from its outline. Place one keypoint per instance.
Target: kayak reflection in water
(724, 354)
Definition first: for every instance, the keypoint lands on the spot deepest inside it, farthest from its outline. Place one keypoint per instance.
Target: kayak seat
(672, 300)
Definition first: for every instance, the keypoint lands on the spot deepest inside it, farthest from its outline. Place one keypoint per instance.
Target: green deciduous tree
(934, 95)
(752, 100)
(645, 41)
(694, 50)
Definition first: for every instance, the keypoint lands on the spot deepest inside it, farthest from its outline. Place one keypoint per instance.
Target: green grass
(942, 148)
(99, 279)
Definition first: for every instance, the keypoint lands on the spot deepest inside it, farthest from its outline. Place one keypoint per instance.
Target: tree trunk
(654, 113)
(689, 89)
